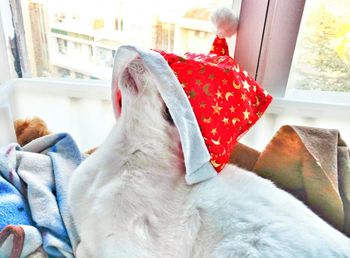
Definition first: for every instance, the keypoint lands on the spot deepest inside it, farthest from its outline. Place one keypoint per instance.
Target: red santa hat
(225, 99)
(211, 99)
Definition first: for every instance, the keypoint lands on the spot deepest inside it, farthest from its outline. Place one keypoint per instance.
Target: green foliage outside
(324, 52)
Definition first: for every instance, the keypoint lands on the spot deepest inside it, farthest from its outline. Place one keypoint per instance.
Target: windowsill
(326, 97)
(89, 92)
(306, 104)
(312, 104)
(70, 88)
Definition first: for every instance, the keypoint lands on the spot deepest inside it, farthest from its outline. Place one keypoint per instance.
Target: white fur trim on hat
(225, 22)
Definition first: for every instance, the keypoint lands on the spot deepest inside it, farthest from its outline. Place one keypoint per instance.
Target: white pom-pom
(225, 22)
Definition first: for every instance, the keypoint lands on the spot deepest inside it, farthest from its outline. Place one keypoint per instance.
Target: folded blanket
(311, 163)
(33, 197)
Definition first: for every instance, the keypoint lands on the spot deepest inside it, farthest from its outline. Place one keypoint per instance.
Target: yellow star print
(219, 94)
(246, 114)
(246, 85)
(216, 109)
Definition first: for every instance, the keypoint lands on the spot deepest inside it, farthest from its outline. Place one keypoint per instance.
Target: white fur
(130, 198)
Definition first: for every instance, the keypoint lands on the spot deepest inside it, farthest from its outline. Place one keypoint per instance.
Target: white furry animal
(130, 198)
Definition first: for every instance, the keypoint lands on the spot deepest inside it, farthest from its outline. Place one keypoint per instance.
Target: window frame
(7, 70)
(250, 33)
(12, 41)
(266, 40)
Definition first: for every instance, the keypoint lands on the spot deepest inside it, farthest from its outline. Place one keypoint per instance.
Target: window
(62, 45)
(79, 75)
(165, 36)
(62, 72)
(66, 40)
(269, 41)
(266, 41)
(322, 57)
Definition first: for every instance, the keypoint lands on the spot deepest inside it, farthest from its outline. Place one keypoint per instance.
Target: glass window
(322, 56)
(78, 39)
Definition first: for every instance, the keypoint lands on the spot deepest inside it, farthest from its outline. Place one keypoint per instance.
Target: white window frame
(7, 69)
(250, 33)
(266, 40)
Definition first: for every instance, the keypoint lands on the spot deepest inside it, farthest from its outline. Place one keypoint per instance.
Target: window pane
(78, 39)
(322, 57)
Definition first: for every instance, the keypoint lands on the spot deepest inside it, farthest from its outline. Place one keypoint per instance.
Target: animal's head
(141, 111)
(138, 100)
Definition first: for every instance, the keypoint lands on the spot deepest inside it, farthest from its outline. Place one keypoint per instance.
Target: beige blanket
(313, 164)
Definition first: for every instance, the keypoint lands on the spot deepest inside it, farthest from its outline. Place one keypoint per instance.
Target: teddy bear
(30, 129)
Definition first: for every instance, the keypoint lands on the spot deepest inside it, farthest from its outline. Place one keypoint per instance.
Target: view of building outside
(78, 39)
(322, 56)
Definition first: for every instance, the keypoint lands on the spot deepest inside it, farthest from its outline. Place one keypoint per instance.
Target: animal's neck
(147, 148)
(149, 175)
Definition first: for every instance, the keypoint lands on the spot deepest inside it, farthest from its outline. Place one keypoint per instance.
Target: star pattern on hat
(246, 85)
(225, 99)
(216, 109)
(246, 114)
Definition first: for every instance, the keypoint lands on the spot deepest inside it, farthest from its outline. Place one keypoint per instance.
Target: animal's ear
(121, 61)
(116, 93)
(131, 78)
(117, 101)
